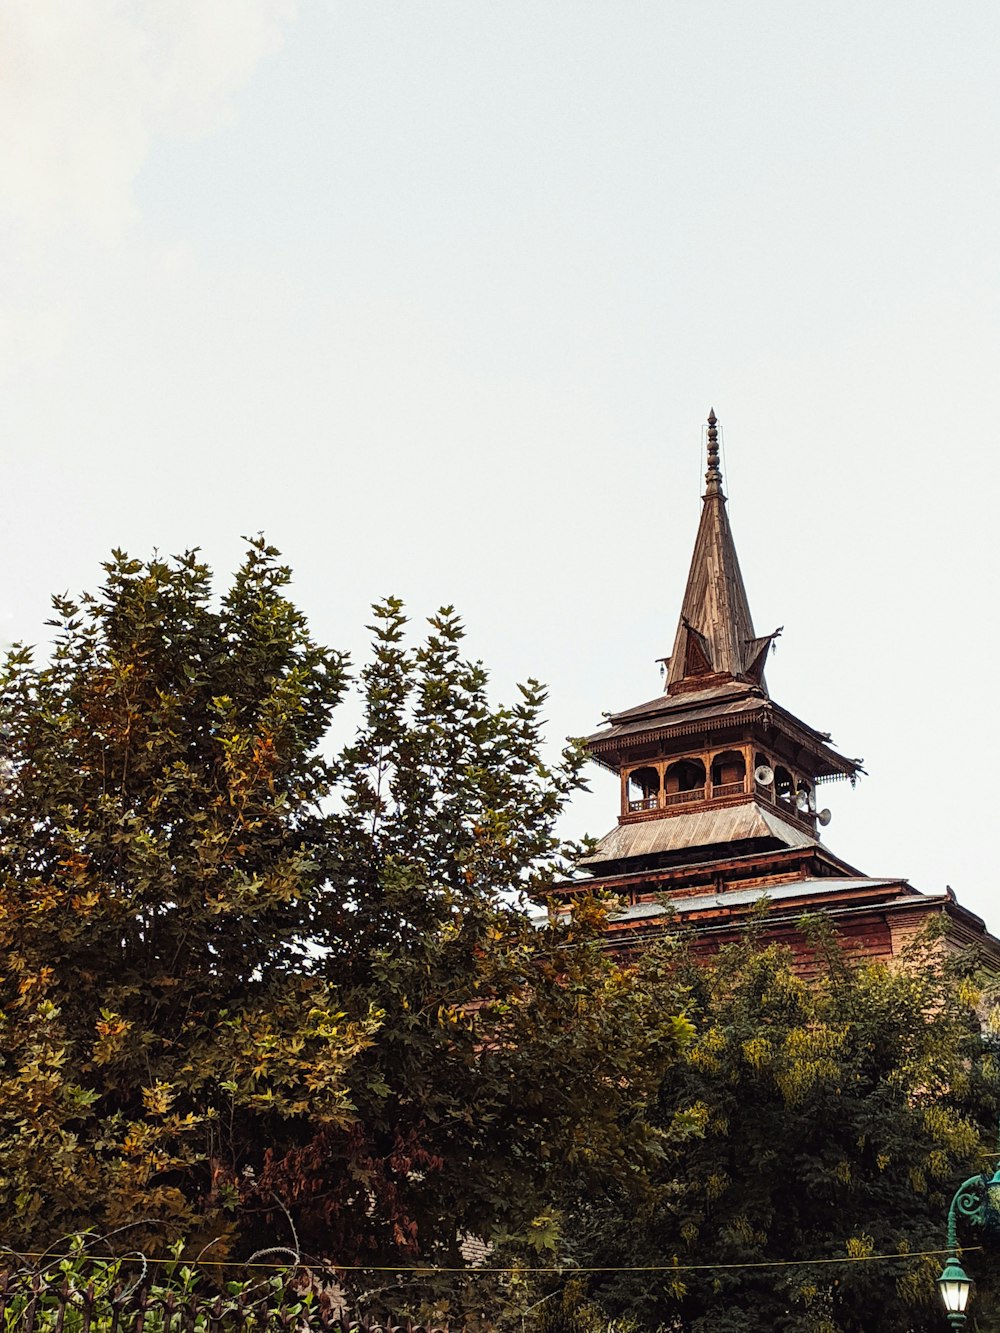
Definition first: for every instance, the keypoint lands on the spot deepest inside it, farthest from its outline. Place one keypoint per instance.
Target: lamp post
(978, 1201)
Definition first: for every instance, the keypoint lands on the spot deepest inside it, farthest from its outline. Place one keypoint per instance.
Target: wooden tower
(719, 788)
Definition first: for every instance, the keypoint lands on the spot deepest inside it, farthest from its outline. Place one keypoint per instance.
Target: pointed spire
(715, 636)
(713, 477)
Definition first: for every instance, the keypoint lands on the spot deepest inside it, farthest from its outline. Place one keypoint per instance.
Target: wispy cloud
(86, 87)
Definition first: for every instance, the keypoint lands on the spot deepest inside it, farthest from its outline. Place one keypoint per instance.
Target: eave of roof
(706, 864)
(721, 708)
(817, 889)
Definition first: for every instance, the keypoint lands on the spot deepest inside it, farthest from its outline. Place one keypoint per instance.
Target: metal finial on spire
(713, 477)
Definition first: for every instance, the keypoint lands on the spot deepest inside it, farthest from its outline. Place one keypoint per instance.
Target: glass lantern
(954, 1285)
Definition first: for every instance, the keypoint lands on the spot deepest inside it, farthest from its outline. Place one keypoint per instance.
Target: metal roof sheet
(678, 703)
(696, 828)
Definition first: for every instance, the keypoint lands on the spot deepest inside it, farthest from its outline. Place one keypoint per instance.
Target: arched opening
(684, 781)
(729, 770)
(784, 786)
(761, 762)
(805, 801)
(643, 789)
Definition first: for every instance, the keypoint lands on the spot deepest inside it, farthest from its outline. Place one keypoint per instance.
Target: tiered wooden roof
(715, 675)
(725, 706)
(704, 854)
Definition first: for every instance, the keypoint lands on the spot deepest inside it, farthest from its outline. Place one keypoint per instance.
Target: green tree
(241, 979)
(509, 1054)
(160, 878)
(810, 1120)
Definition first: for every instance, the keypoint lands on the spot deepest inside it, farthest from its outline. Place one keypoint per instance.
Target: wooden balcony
(645, 803)
(683, 797)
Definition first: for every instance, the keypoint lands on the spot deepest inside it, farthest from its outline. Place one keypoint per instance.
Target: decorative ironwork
(976, 1201)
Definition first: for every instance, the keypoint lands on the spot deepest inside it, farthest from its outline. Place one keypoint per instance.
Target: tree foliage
(242, 976)
(822, 1120)
(504, 1051)
(248, 979)
(161, 828)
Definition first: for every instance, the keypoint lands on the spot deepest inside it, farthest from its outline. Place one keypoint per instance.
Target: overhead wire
(519, 1269)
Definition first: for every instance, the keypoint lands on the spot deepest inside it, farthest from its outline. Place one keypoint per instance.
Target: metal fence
(61, 1302)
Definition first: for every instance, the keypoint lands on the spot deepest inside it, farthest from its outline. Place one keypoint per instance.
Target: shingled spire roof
(715, 638)
(715, 695)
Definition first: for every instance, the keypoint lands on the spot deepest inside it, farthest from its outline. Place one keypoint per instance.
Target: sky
(438, 295)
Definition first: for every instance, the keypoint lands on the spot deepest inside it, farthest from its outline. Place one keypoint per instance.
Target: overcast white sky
(438, 294)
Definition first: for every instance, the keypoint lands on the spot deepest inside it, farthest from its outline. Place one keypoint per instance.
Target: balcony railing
(716, 791)
(646, 803)
(682, 797)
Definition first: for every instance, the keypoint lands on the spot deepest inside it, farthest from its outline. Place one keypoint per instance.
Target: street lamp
(978, 1200)
(955, 1285)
